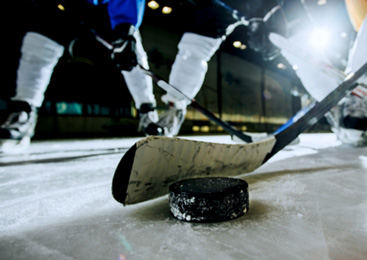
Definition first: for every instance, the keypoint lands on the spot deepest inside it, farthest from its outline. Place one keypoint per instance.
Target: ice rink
(307, 202)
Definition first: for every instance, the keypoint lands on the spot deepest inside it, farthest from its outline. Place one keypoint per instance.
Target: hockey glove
(124, 47)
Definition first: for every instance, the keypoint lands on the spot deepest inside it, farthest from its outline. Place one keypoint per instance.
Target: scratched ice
(307, 202)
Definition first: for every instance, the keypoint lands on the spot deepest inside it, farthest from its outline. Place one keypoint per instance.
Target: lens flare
(320, 38)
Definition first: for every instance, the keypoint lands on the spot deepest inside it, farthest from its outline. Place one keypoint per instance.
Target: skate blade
(14, 146)
(352, 137)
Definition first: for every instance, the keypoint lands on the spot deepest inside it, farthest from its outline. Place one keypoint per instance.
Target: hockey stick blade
(153, 163)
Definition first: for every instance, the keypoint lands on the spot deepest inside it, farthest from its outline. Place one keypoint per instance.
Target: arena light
(153, 5)
(281, 66)
(61, 7)
(239, 45)
(166, 10)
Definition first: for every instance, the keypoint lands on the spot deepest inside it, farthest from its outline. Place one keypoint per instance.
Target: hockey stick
(288, 134)
(181, 96)
(360, 90)
(152, 164)
(241, 17)
(233, 12)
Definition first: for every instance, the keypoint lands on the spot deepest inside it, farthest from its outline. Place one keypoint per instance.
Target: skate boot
(148, 120)
(172, 119)
(17, 131)
(349, 120)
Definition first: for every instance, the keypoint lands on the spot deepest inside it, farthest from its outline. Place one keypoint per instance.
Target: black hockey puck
(210, 199)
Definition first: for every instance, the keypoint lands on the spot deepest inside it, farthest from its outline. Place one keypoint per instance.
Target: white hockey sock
(191, 62)
(139, 84)
(39, 56)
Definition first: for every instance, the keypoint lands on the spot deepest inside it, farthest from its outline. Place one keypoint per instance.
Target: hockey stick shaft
(178, 94)
(316, 112)
(233, 12)
(294, 118)
(101, 40)
(241, 17)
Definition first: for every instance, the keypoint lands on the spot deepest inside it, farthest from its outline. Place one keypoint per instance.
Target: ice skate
(172, 119)
(18, 129)
(349, 120)
(148, 120)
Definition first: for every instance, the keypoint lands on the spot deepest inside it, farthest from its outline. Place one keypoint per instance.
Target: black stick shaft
(316, 112)
(226, 126)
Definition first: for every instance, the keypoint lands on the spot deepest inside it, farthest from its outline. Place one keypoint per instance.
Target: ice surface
(307, 202)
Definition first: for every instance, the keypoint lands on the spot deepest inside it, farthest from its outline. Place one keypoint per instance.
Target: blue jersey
(123, 11)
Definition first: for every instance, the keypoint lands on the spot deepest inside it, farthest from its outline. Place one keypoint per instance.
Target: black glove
(258, 39)
(124, 47)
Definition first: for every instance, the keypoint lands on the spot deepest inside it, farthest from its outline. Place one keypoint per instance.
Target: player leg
(41, 49)
(141, 88)
(39, 55)
(203, 37)
(187, 74)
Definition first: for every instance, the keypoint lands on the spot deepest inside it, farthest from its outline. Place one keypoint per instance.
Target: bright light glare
(243, 47)
(153, 5)
(319, 38)
(237, 44)
(61, 7)
(281, 66)
(166, 10)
